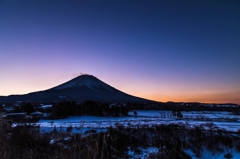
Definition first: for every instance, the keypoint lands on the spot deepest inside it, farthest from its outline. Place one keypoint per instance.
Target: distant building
(9, 109)
(37, 114)
(16, 116)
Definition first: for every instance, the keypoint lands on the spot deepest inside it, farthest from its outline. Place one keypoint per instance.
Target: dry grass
(24, 142)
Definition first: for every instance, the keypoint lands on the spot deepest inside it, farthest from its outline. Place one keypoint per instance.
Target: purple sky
(162, 50)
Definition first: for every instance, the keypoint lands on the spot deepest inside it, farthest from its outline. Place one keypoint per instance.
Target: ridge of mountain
(81, 88)
(85, 80)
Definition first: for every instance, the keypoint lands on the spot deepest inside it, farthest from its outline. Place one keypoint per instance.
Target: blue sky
(161, 50)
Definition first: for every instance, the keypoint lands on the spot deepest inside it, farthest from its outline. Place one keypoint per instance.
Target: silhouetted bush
(67, 108)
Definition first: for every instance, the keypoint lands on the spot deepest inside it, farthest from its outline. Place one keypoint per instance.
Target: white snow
(85, 80)
(81, 124)
(46, 106)
(148, 118)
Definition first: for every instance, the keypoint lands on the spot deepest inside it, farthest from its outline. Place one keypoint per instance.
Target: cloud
(78, 74)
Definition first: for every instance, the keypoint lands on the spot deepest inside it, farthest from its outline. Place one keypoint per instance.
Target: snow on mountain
(81, 88)
(85, 80)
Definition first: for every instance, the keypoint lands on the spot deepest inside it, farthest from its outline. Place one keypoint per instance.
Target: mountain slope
(81, 88)
(88, 81)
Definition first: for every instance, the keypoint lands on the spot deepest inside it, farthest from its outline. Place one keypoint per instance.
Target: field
(150, 134)
(224, 120)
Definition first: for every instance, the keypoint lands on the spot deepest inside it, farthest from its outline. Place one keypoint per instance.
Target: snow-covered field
(81, 124)
(223, 120)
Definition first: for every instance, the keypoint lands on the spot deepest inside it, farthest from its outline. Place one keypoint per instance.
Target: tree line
(70, 108)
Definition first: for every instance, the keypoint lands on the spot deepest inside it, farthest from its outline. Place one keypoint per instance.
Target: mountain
(81, 88)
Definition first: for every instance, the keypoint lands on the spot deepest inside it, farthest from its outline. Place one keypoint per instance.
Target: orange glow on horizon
(140, 88)
(214, 98)
(201, 98)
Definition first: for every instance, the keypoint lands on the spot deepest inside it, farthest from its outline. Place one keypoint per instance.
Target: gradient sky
(173, 50)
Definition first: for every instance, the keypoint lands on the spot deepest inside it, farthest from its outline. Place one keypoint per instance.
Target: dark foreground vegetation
(25, 142)
(63, 109)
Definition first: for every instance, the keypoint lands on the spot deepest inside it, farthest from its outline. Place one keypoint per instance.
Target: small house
(16, 116)
(37, 115)
(9, 109)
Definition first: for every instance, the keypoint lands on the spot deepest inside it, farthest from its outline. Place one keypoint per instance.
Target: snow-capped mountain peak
(85, 80)
(81, 88)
